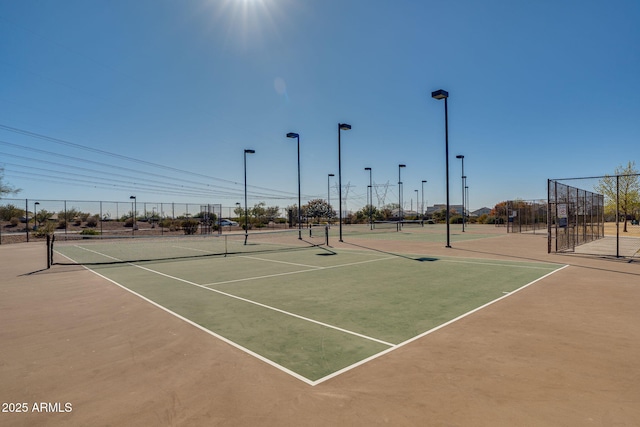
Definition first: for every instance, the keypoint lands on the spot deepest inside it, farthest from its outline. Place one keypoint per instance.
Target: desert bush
(45, 229)
(8, 212)
(92, 221)
(190, 226)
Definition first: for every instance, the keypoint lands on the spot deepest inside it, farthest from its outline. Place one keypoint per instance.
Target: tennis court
(308, 309)
(346, 334)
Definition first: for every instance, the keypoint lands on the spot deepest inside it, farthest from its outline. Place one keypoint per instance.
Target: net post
(326, 234)
(48, 251)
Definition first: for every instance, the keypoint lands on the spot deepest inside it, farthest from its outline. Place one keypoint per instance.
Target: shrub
(15, 221)
(89, 232)
(43, 230)
(8, 212)
(190, 226)
(92, 221)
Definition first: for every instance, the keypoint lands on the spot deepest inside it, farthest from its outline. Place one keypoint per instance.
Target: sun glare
(247, 24)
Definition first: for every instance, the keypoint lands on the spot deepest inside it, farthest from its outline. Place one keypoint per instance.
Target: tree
(317, 209)
(368, 211)
(43, 216)
(623, 187)
(386, 213)
(6, 188)
(272, 212)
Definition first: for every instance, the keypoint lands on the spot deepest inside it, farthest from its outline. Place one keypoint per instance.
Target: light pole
(461, 157)
(370, 197)
(297, 136)
(329, 198)
(35, 216)
(246, 210)
(464, 201)
(135, 208)
(341, 127)
(443, 94)
(423, 182)
(466, 187)
(416, 202)
(400, 192)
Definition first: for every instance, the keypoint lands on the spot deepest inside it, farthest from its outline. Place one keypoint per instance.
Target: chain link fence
(595, 215)
(526, 216)
(26, 219)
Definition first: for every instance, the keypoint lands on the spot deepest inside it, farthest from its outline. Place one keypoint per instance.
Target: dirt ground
(561, 352)
(632, 230)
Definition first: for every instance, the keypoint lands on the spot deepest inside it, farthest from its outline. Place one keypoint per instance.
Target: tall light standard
(461, 157)
(466, 187)
(329, 198)
(135, 209)
(400, 192)
(295, 135)
(423, 182)
(341, 127)
(464, 201)
(246, 210)
(370, 197)
(443, 94)
(416, 202)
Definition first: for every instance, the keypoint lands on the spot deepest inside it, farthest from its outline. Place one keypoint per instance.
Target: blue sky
(538, 89)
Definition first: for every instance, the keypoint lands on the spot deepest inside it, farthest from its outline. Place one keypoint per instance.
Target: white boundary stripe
(326, 325)
(208, 331)
(266, 276)
(280, 262)
(496, 264)
(284, 369)
(430, 331)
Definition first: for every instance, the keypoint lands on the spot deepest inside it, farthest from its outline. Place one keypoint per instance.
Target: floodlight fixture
(440, 94)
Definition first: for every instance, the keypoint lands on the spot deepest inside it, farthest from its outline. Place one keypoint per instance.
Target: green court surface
(316, 311)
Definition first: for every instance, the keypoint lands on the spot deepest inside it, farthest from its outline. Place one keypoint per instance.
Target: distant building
(455, 209)
(481, 211)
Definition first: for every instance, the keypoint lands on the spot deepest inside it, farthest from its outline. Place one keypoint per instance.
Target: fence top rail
(10, 199)
(592, 177)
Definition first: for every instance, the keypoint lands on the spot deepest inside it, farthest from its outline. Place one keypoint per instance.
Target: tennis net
(387, 225)
(88, 250)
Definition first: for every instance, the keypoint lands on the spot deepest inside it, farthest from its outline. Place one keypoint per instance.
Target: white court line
(430, 331)
(496, 265)
(279, 262)
(391, 348)
(266, 276)
(326, 325)
(202, 328)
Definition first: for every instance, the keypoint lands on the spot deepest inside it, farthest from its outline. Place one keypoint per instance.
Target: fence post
(617, 216)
